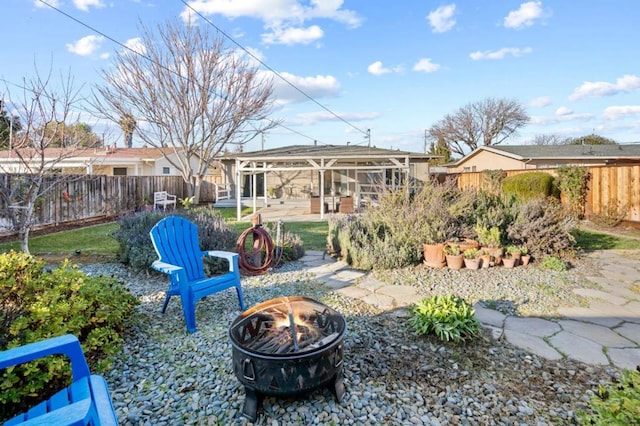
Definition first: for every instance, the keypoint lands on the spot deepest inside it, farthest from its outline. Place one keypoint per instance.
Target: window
(166, 171)
(119, 171)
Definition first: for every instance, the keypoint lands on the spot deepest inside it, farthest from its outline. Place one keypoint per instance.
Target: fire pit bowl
(287, 346)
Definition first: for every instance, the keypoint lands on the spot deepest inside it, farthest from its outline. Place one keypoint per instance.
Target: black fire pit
(287, 346)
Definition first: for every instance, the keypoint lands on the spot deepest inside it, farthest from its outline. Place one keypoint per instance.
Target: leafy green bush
(543, 227)
(615, 404)
(450, 318)
(136, 249)
(553, 263)
(573, 182)
(36, 304)
(527, 186)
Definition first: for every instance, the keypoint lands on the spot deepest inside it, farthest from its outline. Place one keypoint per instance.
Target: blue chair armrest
(166, 268)
(231, 257)
(63, 345)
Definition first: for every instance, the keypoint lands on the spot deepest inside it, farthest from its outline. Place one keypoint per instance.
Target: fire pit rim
(296, 356)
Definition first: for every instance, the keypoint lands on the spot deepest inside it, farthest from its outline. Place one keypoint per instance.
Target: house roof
(95, 153)
(557, 152)
(304, 152)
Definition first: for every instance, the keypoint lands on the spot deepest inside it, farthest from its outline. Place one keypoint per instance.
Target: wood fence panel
(609, 186)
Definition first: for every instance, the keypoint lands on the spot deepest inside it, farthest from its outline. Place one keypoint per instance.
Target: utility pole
(425, 141)
(368, 137)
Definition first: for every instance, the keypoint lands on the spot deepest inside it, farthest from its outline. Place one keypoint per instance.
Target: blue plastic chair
(176, 242)
(85, 402)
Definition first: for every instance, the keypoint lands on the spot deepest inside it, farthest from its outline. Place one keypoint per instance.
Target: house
(524, 157)
(110, 161)
(307, 171)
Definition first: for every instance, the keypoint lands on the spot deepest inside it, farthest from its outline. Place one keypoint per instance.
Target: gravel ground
(166, 376)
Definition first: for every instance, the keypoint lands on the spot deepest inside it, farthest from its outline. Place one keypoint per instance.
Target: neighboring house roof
(327, 151)
(143, 154)
(557, 152)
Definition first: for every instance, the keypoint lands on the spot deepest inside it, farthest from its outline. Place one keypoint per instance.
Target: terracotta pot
(434, 255)
(465, 244)
(525, 259)
(485, 261)
(496, 253)
(509, 262)
(455, 261)
(472, 263)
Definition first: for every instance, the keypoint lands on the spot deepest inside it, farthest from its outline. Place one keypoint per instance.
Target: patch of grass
(229, 213)
(591, 240)
(94, 239)
(313, 234)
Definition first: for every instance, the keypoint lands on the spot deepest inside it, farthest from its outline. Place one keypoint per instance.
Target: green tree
(61, 135)
(591, 139)
(9, 126)
(440, 149)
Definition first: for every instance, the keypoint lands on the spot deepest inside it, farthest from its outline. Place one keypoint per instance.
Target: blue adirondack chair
(85, 402)
(176, 242)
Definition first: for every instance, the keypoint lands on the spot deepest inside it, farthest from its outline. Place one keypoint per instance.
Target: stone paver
(604, 336)
(579, 348)
(532, 326)
(606, 332)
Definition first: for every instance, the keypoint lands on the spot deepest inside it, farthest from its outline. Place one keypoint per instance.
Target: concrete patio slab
(625, 358)
(602, 295)
(577, 347)
(599, 334)
(532, 326)
(629, 330)
(532, 344)
(353, 292)
(489, 316)
(379, 300)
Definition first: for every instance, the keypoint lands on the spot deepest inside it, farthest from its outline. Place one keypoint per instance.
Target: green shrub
(527, 186)
(553, 263)
(573, 182)
(543, 227)
(615, 404)
(136, 249)
(450, 318)
(36, 304)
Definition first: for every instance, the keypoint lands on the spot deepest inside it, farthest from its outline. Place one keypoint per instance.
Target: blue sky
(395, 68)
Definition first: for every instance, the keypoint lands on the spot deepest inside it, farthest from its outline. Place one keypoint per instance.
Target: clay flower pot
(509, 262)
(472, 263)
(455, 261)
(434, 255)
(525, 259)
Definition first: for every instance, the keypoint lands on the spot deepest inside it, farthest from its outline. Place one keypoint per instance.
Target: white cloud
(618, 112)
(598, 89)
(278, 16)
(524, 16)
(441, 19)
(377, 68)
(316, 87)
(291, 35)
(561, 116)
(86, 45)
(136, 45)
(425, 65)
(540, 102)
(563, 111)
(86, 4)
(500, 54)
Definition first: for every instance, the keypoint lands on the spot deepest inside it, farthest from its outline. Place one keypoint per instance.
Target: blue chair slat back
(85, 402)
(176, 241)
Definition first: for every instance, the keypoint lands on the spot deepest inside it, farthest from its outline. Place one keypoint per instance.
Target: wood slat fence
(610, 187)
(86, 197)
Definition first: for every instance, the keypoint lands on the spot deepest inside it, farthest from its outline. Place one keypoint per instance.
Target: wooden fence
(610, 187)
(84, 197)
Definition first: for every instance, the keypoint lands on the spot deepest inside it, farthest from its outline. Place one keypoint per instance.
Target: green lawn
(592, 240)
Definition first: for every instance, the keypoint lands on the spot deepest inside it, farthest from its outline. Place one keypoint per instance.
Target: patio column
(321, 190)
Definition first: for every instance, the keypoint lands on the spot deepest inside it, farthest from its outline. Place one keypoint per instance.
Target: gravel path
(166, 376)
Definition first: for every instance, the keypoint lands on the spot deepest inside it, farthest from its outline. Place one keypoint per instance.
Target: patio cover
(321, 158)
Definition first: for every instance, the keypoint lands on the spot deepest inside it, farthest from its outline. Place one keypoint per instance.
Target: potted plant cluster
(454, 257)
(472, 258)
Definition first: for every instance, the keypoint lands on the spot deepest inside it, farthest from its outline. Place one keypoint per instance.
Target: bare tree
(548, 139)
(190, 95)
(487, 122)
(42, 112)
